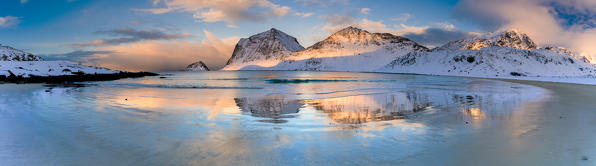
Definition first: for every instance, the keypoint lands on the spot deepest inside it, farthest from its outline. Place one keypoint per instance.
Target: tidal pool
(298, 118)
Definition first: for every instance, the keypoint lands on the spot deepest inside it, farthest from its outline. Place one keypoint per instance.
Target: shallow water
(298, 118)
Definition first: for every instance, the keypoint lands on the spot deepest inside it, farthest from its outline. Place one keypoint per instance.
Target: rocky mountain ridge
(269, 45)
(341, 51)
(505, 54)
(197, 66)
(11, 54)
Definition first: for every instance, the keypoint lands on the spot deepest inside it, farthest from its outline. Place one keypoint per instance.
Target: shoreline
(77, 77)
(566, 80)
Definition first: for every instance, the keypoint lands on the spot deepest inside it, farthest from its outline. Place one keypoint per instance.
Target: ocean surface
(298, 118)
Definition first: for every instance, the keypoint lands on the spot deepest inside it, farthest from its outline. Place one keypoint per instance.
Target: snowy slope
(505, 54)
(21, 63)
(350, 49)
(197, 66)
(510, 38)
(48, 68)
(11, 54)
(271, 45)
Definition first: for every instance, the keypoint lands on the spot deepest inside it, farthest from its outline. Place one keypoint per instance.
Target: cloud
(437, 35)
(446, 26)
(337, 19)
(402, 17)
(365, 11)
(338, 22)
(570, 23)
(76, 55)
(9, 21)
(303, 15)
(25, 1)
(408, 29)
(434, 37)
(323, 3)
(228, 11)
(164, 55)
(373, 26)
(129, 35)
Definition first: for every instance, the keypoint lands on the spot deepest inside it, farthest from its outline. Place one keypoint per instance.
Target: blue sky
(90, 31)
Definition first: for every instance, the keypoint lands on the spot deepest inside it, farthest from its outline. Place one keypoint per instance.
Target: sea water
(296, 118)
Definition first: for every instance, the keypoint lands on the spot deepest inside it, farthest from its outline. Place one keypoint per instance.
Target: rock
(197, 66)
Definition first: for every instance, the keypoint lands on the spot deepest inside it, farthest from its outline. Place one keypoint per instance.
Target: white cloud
(229, 11)
(406, 29)
(303, 15)
(323, 3)
(9, 21)
(334, 20)
(365, 10)
(445, 26)
(402, 17)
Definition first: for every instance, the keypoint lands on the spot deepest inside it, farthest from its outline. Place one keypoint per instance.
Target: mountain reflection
(274, 107)
(342, 110)
(369, 108)
(358, 109)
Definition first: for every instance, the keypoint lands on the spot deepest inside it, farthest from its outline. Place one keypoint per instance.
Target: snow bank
(48, 68)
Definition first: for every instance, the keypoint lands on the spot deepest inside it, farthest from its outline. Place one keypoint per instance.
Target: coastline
(586, 80)
(77, 77)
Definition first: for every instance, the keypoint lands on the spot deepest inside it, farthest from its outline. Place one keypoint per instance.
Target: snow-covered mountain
(511, 38)
(48, 68)
(270, 106)
(11, 54)
(350, 49)
(197, 66)
(504, 54)
(20, 63)
(271, 45)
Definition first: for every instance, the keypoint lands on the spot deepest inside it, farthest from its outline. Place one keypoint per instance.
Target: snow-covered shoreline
(48, 68)
(58, 72)
(587, 80)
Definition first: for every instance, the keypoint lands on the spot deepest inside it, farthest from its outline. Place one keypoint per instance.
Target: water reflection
(472, 106)
(310, 123)
(362, 109)
(274, 107)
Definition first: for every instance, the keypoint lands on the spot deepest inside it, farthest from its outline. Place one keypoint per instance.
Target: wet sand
(557, 130)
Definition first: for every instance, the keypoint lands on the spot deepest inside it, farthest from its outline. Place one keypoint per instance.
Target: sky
(166, 35)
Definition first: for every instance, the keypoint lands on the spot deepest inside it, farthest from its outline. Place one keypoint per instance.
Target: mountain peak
(351, 32)
(513, 38)
(11, 54)
(274, 30)
(350, 29)
(197, 66)
(265, 45)
(356, 37)
(348, 35)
